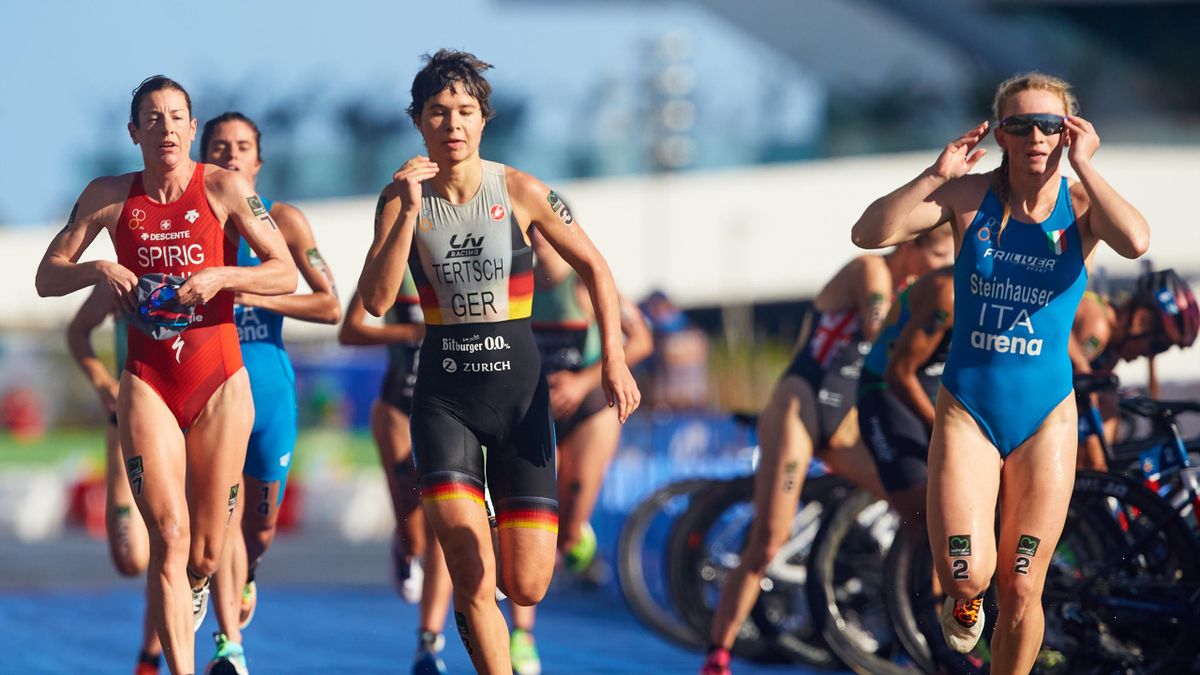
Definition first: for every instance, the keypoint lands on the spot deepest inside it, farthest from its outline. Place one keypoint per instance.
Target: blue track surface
(331, 629)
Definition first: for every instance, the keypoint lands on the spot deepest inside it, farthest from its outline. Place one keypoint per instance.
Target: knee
(169, 534)
(966, 583)
(206, 555)
(1016, 595)
(524, 589)
(474, 576)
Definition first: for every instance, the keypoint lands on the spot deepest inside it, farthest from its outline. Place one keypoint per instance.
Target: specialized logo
(1028, 545)
(177, 345)
(136, 216)
(469, 247)
(449, 365)
(959, 545)
(497, 212)
(192, 216)
(1057, 240)
(165, 224)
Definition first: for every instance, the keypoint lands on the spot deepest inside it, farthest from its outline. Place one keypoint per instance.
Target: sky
(69, 67)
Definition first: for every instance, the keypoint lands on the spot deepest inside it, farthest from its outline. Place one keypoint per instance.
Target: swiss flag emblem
(498, 212)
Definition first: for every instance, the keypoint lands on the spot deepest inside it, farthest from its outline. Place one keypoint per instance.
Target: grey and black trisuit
(479, 379)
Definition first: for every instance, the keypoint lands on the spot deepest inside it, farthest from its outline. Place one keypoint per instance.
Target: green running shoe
(583, 553)
(230, 658)
(524, 653)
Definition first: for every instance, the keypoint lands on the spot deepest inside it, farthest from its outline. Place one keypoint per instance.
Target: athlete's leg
(964, 480)
(216, 452)
(263, 502)
(128, 542)
(154, 453)
(390, 426)
(227, 582)
(786, 450)
(583, 459)
(1037, 481)
(436, 589)
(848, 456)
(461, 526)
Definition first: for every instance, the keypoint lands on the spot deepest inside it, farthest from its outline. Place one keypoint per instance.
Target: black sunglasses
(1022, 125)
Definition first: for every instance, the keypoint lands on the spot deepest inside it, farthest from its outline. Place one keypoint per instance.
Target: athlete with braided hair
(1005, 419)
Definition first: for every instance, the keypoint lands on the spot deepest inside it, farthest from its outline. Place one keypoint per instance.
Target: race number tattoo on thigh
(460, 620)
(318, 263)
(560, 208)
(789, 475)
(133, 467)
(1027, 547)
(959, 546)
(264, 506)
(233, 493)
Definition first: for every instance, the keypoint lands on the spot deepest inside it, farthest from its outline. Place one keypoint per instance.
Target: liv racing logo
(469, 247)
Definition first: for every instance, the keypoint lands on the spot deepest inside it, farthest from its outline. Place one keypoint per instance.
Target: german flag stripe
(539, 520)
(520, 295)
(451, 488)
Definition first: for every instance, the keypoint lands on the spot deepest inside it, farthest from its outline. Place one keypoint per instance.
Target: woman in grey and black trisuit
(461, 225)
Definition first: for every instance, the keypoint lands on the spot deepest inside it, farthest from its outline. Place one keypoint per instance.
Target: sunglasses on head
(1022, 125)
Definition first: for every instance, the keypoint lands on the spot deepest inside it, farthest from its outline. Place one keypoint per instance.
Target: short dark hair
(446, 69)
(152, 84)
(210, 128)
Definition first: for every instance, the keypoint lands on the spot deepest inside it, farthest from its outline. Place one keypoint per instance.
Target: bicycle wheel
(703, 547)
(846, 586)
(706, 545)
(641, 561)
(783, 613)
(1120, 592)
(901, 597)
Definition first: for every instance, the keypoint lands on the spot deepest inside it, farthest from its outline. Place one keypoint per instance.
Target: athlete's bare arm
(1107, 216)
(319, 306)
(395, 219)
(924, 202)
(1090, 334)
(356, 331)
(92, 313)
(535, 204)
(932, 315)
(97, 209)
(864, 284)
(233, 200)
(569, 389)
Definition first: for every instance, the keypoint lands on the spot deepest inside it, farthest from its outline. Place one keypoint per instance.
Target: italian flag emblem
(1057, 240)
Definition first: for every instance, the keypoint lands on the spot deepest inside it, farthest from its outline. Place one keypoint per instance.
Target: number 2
(960, 569)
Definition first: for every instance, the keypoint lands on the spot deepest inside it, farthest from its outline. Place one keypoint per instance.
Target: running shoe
(524, 653)
(583, 553)
(408, 573)
(428, 659)
(716, 663)
(199, 604)
(962, 623)
(230, 658)
(249, 604)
